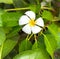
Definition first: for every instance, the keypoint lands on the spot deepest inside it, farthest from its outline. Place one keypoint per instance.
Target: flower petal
(36, 29)
(23, 20)
(31, 14)
(40, 22)
(27, 29)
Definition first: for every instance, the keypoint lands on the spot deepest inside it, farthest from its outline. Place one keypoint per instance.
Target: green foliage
(50, 43)
(15, 44)
(33, 54)
(56, 32)
(25, 45)
(14, 31)
(6, 1)
(58, 40)
(2, 36)
(35, 8)
(47, 15)
(35, 45)
(1, 12)
(39, 44)
(20, 3)
(11, 20)
(8, 46)
(0, 22)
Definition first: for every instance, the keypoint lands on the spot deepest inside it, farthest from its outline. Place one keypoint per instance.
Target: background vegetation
(13, 42)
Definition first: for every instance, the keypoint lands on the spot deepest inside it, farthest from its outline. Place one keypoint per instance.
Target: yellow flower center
(32, 22)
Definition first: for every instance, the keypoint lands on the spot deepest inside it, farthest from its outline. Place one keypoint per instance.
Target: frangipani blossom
(30, 24)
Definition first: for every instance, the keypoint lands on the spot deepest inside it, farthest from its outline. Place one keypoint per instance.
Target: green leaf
(50, 43)
(35, 45)
(9, 44)
(32, 1)
(0, 21)
(7, 29)
(6, 1)
(55, 31)
(58, 40)
(38, 7)
(20, 3)
(32, 7)
(14, 31)
(2, 36)
(41, 42)
(1, 12)
(33, 54)
(11, 19)
(47, 15)
(25, 45)
(1, 51)
(35, 8)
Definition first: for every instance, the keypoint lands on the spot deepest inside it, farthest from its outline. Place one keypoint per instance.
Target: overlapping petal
(36, 29)
(31, 14)
(27, 29)
(40, 22)
(23, 20)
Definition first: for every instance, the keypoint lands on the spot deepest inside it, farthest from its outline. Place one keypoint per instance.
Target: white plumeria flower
(31, 25)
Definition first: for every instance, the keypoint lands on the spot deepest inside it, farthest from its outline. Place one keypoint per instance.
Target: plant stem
(30, 36)
(48, 8)
(27, 37)
(17, 9)
(35, 37)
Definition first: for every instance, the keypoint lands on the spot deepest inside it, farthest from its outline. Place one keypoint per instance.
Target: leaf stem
(17, 9)
(48, 8)
(30, 36)
(27, 37)
(35, 37)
